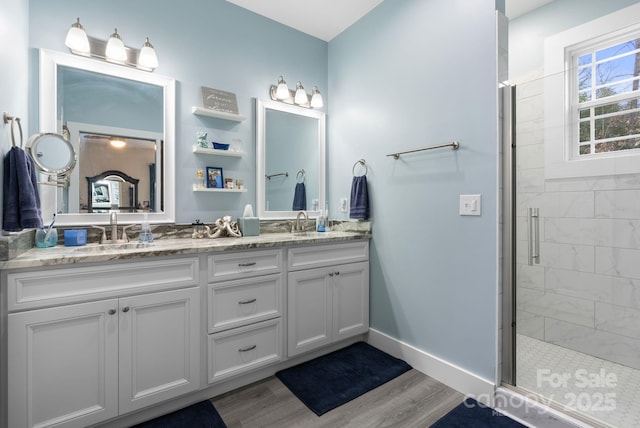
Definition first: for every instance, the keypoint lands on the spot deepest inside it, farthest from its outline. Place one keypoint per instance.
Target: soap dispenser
(145, 236)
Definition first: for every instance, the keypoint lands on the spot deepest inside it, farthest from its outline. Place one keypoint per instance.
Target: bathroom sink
(99, 248)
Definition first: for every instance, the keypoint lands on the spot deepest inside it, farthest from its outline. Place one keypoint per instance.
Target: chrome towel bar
(454, 146)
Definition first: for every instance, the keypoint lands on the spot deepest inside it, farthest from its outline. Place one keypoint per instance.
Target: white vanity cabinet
(244, 304)
(91, 343)
(328, 294)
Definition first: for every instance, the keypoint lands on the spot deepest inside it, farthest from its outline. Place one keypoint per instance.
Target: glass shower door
(576, 274)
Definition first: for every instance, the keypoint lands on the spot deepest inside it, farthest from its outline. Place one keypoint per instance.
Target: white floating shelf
(214, 190)
(208, 151)
(200, 111)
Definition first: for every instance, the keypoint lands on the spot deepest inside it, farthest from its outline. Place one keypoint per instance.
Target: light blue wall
(527, 33)
(415, 73)
(199, 43)
(14, 83)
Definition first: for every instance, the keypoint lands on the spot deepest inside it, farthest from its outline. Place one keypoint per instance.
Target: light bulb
(282, 91)
(301, 95)
(148, 57)
(115, 48)
(316, 98)
(77, 39)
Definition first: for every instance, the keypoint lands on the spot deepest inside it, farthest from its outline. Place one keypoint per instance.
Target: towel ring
(361, 162)
(300, 174)
(13, 119)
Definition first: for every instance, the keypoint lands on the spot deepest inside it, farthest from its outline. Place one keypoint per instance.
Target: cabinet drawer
(235, 303)
(327, 255)
(236, 351)
(243, 265)
(49, 287)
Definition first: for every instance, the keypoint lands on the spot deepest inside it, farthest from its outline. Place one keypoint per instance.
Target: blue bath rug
(334, 379)
(199, 415)
(471, 414)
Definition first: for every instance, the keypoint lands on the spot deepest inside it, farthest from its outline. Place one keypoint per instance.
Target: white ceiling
(325, 19)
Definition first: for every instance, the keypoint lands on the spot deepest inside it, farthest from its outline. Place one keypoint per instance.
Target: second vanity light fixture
(112, 50)
(281, 92)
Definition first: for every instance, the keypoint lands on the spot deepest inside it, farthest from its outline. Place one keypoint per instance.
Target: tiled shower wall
(585, 293)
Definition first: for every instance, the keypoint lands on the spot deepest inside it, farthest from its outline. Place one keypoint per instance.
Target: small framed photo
(215, 180)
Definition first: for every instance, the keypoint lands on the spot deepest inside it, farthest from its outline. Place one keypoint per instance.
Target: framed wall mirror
(290, 153)
(118, 119)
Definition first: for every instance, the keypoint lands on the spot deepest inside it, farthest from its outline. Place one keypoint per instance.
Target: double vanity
(101, 334)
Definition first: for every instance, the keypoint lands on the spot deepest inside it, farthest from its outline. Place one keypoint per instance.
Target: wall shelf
(208, 151)
(200, 111)
(216, 190)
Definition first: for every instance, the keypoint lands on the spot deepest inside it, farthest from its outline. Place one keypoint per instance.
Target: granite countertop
(93, 253)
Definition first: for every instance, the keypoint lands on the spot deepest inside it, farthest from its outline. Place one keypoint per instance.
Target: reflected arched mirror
(99, 103)
(112, 191)
(290, 144)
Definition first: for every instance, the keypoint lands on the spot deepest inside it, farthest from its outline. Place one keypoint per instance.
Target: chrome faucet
(297, 227)
(113, 221)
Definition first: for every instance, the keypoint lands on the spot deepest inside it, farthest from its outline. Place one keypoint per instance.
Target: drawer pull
(246, 264)
(125, 309)
(337, 273)
(246, 301)
(247, 348)
(112, 311)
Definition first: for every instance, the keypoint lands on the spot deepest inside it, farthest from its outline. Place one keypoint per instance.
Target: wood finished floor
(410, 400)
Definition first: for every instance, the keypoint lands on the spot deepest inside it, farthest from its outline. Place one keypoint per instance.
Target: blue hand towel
(359, 198)
(300, 197)
(21, 207)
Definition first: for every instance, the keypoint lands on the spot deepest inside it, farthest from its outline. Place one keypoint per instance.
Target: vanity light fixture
(301, 95)
(316, 98)
(113, 50)
(77, 38)
(148, 57)
(281, 92)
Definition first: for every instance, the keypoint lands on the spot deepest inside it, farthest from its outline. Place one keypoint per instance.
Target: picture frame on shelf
(215, 179)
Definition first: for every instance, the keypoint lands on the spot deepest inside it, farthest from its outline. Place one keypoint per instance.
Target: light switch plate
(470, 204)
(343, 205)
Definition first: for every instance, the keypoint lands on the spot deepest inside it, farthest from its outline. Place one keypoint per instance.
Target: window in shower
(606, 98)
(592, 99)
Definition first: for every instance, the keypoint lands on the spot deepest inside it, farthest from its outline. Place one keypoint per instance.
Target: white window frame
(561, 159)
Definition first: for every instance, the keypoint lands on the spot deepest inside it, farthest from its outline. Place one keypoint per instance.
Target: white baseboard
(451, 375)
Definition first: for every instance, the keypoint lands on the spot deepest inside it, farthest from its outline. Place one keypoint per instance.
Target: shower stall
(571, 231)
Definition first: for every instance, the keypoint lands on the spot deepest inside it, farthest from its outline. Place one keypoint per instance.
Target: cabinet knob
(246, 301)
(337, 273)
(125, 309)
(112, 311)
(331, 274)
(246, 264)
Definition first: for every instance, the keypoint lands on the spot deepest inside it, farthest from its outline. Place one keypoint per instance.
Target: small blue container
(220, 146)
(75, 237)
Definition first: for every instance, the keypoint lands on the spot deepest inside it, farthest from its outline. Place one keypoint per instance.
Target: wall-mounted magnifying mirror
(52, 153)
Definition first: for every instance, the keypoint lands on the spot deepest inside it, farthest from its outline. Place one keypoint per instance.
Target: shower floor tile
(602, 390)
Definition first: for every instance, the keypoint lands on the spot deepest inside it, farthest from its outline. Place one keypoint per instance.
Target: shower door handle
(534, 236)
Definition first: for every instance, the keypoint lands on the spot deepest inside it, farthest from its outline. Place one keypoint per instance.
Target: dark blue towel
(359, 198)
(21, 207)
(300, 197)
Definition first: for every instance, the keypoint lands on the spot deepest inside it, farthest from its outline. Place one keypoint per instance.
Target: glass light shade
(301, 95)
(282, 91)
(77, 38)
(115, 48)
(316, 98)
(148, 57)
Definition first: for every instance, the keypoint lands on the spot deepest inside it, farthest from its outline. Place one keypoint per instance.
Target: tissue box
(249, 226)
(75, 238)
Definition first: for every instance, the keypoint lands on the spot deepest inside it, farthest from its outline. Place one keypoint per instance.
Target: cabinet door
(63, 365)
(350, 300)
(159, 347)
(309, 306)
